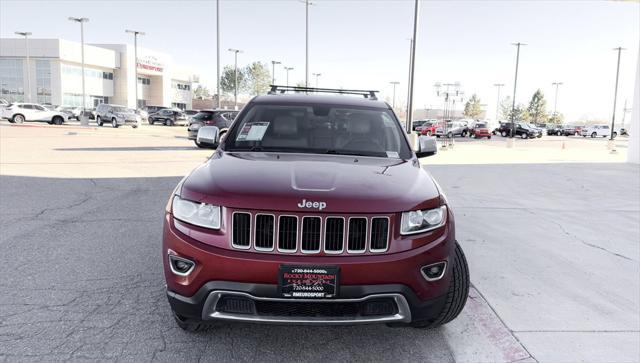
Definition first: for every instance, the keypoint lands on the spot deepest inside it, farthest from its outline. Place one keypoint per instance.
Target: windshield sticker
(393, 154)
(253, 131)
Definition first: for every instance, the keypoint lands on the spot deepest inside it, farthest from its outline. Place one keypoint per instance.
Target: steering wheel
(363, 143)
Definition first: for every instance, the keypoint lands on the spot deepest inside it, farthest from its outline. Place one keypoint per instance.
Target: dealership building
(54, 74)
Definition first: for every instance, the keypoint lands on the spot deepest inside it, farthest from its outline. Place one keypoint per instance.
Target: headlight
(423, 220)
(199, 214)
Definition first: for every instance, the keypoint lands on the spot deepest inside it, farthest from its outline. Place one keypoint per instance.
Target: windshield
(319, 129)
(480, 126)
(120, 109)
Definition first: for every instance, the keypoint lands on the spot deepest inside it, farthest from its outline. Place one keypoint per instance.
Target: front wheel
(593, 135)
(98, 120)
(464, 134)
(57, 120)
(524, 135)
(503, 134)
(18, 119)
(428, 133)
(151, 121)
(168, 122)
(114, 123)
(456, 295)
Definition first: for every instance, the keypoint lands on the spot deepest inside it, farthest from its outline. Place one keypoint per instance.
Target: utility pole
(84, 120)
(288, 69)
(235, 73)
(615, 92)
(515, 85)
(394, 83)
(273, 71)
(307, 3)
(555, 102)
(498, 85)
(218, 52)
(26, 47)
(317, 75)
(135, 55)
(412, 65)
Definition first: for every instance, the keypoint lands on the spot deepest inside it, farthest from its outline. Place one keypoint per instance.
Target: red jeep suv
(314, 209)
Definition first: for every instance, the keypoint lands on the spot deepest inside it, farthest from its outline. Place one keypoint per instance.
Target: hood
(286, 182)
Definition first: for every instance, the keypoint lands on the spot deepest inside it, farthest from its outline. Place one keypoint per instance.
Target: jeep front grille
(266, 232)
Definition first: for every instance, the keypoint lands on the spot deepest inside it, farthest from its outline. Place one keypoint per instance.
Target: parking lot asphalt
(553, 250)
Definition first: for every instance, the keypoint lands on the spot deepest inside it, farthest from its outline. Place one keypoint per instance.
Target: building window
(144, 81)
(180, 86)
(12, 80)
(107, 75)
(88, 72)
(43, 80)
(182, 106)
(142, 103)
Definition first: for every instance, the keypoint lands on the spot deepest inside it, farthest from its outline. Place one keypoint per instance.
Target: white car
(597, 130)
(21, 112)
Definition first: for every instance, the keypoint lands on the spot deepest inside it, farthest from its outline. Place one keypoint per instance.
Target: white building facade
(54, 75)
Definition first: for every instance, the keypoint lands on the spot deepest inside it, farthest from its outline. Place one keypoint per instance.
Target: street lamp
(288, 69)
(217, 52)
(615, 93)
(515, 84)
(26, 47)
(135, 56)
(306, 44)
(83, 120)
(235, 89)
(394, 83)
(498, 85)
(273, 71)
(555, 101)
(412, 64)
(317, 75)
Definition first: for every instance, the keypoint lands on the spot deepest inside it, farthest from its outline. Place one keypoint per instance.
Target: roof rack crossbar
(370, 94)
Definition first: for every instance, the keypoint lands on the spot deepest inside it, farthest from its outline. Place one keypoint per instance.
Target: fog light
(181, 266)
(434, 271)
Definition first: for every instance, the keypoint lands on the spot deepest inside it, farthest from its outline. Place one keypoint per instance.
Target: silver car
(116, 115)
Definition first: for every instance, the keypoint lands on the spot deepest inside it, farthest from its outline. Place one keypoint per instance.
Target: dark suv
(522, 130)
(298, 217)
(221, 119)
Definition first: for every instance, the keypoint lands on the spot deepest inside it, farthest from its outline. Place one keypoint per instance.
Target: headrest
(285, 125)
(359, 123)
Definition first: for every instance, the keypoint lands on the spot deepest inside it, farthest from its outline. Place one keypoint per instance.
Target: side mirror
(208, 136)
(427, 146)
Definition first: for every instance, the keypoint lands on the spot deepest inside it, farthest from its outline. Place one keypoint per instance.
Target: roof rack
(370, 94)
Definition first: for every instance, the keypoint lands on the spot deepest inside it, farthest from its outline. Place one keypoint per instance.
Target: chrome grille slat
(287, 233)
(311, 234)
(241, 232)
(379, 234)
(357, 235)
(264, 232)
(334, 234)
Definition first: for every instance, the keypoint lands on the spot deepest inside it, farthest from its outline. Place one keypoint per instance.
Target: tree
(201, 92)
(538, 107)
(472, 108)
(505, 109)
(258, 78)
(227, 80)
(558, 118)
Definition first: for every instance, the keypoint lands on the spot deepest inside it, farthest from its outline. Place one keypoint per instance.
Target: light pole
(273, 71)
(615, 93)
(235, 89)
(288, 69)
(515, 84)
(498, 85)
(26, 47)
(217, 52)
(555, 101)
(306, 44)
(135, 56)
(394, 83)
(84, 120)
(409, 88)
(412, 65)
(317, 75)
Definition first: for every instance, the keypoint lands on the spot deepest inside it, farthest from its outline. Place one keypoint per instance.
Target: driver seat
(359, 130)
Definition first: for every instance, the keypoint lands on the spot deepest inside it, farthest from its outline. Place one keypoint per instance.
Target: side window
(605, 127)
(39, 108)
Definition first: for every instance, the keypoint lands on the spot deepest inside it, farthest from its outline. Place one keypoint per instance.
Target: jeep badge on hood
(314, 205)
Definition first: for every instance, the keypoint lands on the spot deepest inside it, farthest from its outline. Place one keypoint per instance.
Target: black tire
(17, 119)
(456, 295)
(151, 121)
(449, 135)
(615, 134)
(186, 325)
(503, 133)
(593, 135)
(57, 120)
(489, 137)
(464, 134)
(98, 120)
(168, 122)
(524, 135)
(114, 123)
(135, 126)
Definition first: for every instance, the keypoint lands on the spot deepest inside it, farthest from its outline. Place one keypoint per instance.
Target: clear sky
(364, 44)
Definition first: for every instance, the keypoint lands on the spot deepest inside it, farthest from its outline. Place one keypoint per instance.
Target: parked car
(455, 128)
(597, 131)
(555, 130)
(117, 115)
(521, 129)
(429, 128)
(624, 132)
(579, 130)
(74, 112)
(276, 227)
(569, 130)
(222, 119)
(541, 130)
(191, 113)
(153, 109)
(20, 112)
(419, 124)
(480, 130)
(168, 117)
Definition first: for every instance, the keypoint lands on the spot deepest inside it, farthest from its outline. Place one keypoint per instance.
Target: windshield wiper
(354, 153)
